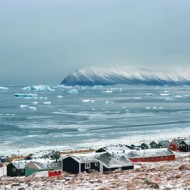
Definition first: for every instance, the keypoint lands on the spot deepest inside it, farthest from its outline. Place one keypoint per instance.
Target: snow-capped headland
(111, 76)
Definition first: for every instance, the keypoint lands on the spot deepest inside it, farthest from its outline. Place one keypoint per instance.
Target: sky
(42, 41)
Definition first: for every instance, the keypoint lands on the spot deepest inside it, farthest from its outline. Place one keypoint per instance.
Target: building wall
(70, 165)
(29, 171)
(154, 159)
(92, 167)
(12, 171)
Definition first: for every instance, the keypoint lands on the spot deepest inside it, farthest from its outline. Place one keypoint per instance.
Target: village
(109, 160)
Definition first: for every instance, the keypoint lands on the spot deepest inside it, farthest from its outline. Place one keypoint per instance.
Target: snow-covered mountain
(111, 76)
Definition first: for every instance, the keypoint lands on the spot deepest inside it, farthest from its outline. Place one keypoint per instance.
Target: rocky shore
(158, 175)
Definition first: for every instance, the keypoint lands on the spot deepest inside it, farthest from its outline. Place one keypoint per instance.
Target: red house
(175, 144)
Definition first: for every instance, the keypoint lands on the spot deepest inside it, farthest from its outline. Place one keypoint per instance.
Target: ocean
(69, 118)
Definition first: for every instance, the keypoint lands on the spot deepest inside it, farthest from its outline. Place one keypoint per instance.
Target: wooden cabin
(164, 144)
(185, 145)
(144, 146)
(108, 162)
(153, 144)
(41, 165)
(175, 144)
(16, 168)
(98, 162)
(80, 163)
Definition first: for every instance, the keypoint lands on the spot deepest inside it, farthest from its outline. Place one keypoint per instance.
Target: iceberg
(38, 88)
(4, 88)
(88, 101)
(72, 91)
(28, 108)
(46, 103)
(95, 76)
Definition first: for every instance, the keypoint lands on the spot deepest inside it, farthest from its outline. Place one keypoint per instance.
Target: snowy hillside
(109, 76)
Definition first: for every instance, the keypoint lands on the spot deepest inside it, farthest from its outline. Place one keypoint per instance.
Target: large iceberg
(110, 76)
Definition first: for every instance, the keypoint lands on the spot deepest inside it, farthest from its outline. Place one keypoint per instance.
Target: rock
(21, 188)
(15, 184)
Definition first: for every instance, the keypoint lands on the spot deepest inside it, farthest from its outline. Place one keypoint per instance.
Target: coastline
(166, 175)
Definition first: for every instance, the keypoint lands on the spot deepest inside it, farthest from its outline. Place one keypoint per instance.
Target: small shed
(80, 163)
(16, 168)
(185, 145)
(144, 146)
(164, 144)
(153, 144)
(41, 165)
(108, 162)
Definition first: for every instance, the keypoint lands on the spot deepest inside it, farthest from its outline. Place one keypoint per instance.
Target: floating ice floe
(137, 98)
(109, 102)
(72, 91)
(38, 88)
(4, 88)
(88, 101)
(22, 95)
(59, 96)
(35, 103)
(107, 91)
(46, 103)
(28, 108)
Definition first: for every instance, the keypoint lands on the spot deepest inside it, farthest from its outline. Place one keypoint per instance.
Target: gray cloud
(43, 41)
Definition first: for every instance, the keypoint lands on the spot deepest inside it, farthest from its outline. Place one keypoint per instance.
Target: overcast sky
(42, 41)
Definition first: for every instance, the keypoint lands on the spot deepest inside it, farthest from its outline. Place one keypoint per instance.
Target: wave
(111, 76)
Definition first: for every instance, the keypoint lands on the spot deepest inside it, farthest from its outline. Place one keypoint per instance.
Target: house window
(22, 171)
(96, 163)
(14, 170)
(87, 165)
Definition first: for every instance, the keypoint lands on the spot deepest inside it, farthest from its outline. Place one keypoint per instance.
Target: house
(98, 162)
(41, 165)
(16, 168)
(175, 144)
(80, 163)
(164, 144)
(185, 145)
(51, 154)
(153, 144)
(108, 162)
(114, 148)
(144, 146)
(155, 155)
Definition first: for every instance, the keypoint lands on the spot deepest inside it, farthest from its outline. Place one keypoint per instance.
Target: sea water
(64, 118)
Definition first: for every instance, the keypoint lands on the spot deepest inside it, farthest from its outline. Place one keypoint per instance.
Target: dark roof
(187, 141)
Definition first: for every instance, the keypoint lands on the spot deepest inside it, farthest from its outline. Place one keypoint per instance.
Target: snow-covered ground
(162, 175)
